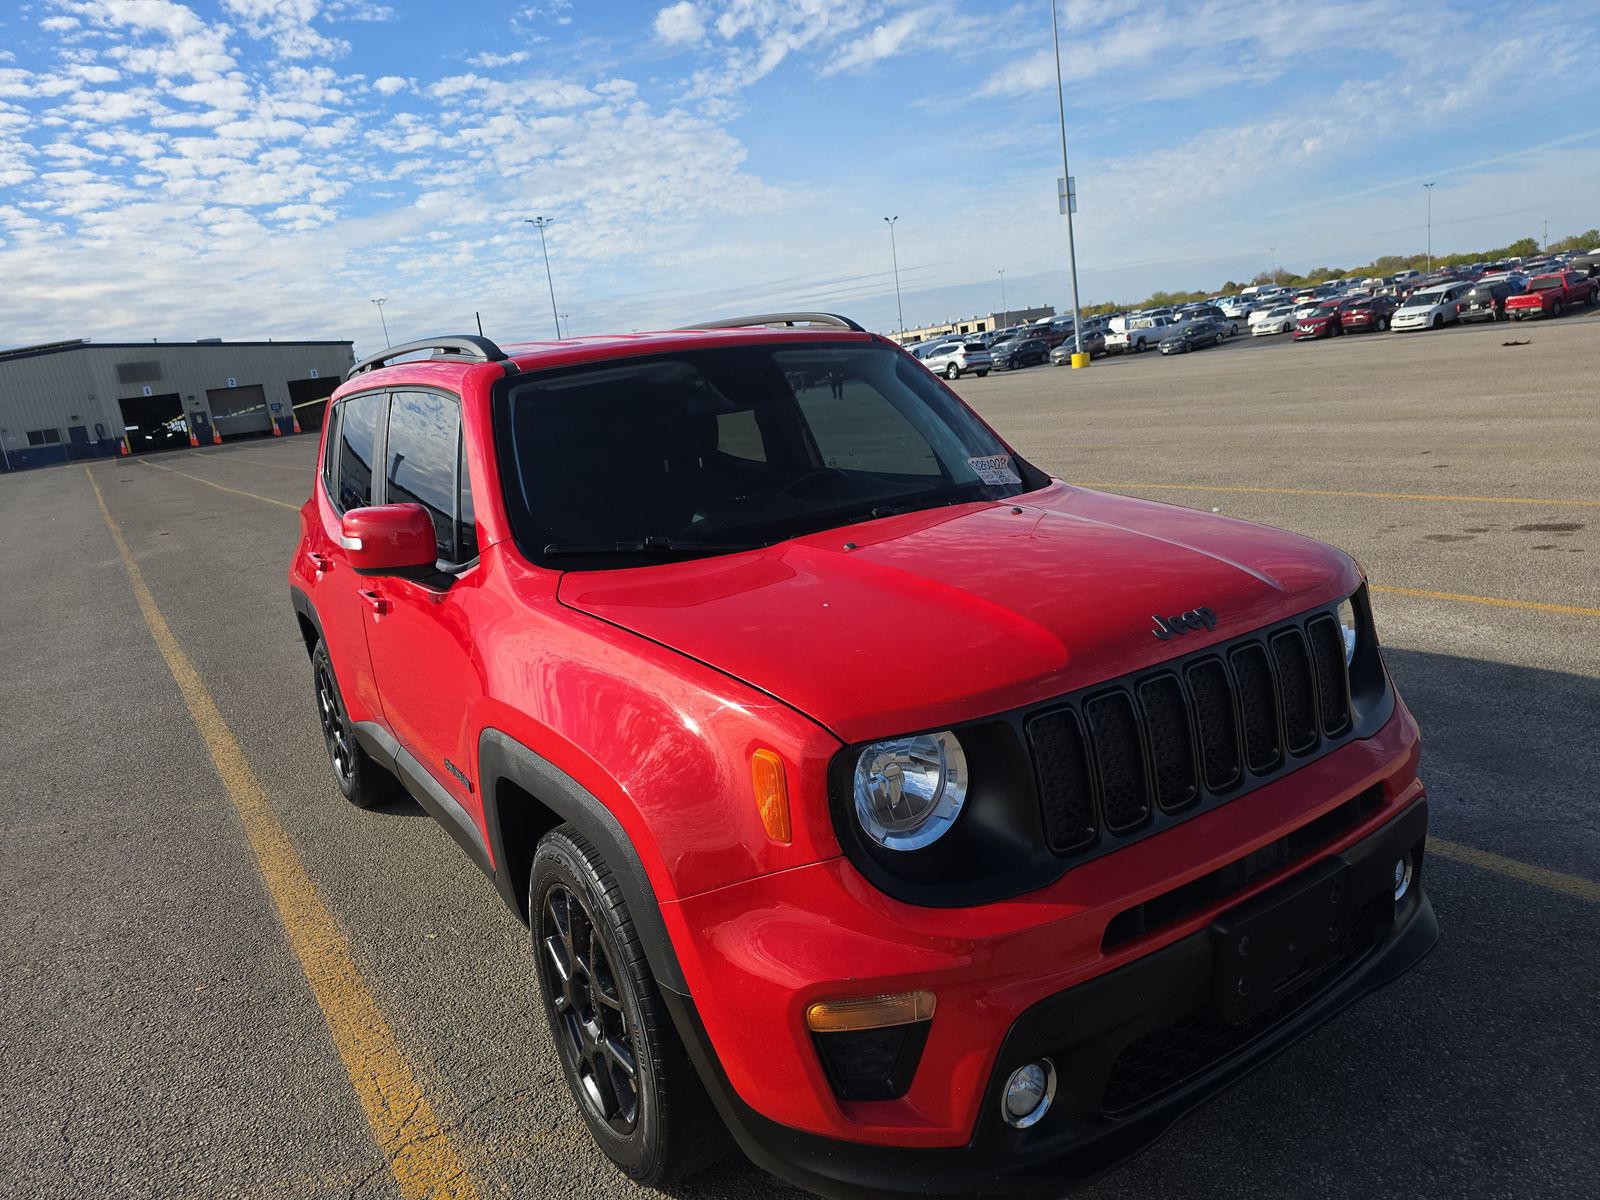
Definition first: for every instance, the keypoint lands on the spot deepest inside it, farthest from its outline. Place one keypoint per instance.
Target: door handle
(320, 561)
(375, 599)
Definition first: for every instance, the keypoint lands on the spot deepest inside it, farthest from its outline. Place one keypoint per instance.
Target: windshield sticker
(994, 469)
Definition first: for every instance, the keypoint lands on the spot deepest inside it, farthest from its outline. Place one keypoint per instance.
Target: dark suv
(933, 826)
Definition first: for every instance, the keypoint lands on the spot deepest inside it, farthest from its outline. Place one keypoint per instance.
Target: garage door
(239, 410)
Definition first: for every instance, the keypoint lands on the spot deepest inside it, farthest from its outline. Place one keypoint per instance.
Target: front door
(421, 638)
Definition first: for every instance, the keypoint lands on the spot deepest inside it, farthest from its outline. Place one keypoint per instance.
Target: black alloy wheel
(335, 732)
(592, 1024)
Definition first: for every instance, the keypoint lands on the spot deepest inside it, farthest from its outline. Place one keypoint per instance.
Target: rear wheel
(1383, 324)
(1555, 308)
(623, 1060)
(981, 374)
(361, 781)
(952, 372)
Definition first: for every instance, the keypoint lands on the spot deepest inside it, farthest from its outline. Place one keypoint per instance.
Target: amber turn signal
(772, 793)
(870, 1012)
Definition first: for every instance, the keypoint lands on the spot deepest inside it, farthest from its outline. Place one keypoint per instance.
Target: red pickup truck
(1549, 295)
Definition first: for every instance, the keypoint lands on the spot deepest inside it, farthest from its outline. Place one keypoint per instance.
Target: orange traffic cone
(216, 438)
(193, 441)
(122, 446)
(295, 417)
(277, 429)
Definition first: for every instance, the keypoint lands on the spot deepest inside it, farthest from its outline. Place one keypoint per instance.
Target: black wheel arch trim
(501, 758)
(301, 603)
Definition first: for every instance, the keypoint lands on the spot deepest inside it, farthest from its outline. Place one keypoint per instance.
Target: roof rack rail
(831, 320)
(465, 347)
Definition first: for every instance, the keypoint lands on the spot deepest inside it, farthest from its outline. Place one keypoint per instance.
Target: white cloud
(388, 85)
(487, 59)
(58, 24)
(680, 23)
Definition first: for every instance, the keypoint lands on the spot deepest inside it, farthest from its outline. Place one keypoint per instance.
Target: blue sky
(254, 168)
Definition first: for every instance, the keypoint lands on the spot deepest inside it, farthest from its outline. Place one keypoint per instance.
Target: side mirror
(390, 539)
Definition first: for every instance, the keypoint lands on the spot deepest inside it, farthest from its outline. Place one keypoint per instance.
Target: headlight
(909, 790)
(1347, 628)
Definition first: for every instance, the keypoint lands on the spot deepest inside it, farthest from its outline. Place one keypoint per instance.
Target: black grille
(1166, 715)
(1333, 683)
(1258, 706)
(1165, 1058)
(1119, 753)
(1065, 784)
(1219, 729)
(872, 1064)
(1135, 753)
(1297, 687)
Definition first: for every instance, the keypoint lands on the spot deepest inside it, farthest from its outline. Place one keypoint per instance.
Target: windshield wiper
(650, 546)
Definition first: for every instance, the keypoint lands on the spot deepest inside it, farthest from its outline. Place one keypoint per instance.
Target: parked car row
(1510, 289)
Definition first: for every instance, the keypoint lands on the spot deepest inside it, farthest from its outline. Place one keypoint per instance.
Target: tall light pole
(894, 256)
(1066, 176)
(1428, 187)
(540, 223)
(1005, 317)
(380, 303)
(566, 319)
(1274, 266)
(1547, 237)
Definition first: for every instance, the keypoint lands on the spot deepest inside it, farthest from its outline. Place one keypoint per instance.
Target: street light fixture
(387, 344)
(1066, 178)
(540, 223)
(894, 254)
(1428, 187)
(1005, 319)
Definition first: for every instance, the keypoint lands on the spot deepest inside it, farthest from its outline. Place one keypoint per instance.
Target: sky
(268, 168)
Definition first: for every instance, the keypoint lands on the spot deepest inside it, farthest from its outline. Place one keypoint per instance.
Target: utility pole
(894, 255)
(1066, 176)
(541, 223)
(1428, 187)
(387, 344)
(1547, 237)
(1274, 266)
(1005, 316)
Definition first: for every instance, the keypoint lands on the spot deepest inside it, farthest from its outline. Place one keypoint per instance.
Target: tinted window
(466, 523)
(421, 453)
(330, 455)
(358, 439)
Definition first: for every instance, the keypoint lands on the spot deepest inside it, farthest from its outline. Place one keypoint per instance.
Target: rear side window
(330, 452)
(421, 453)
(359, 418)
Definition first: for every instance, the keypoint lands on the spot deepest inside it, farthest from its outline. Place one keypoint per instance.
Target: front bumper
(1135, 1050)
(755, 955)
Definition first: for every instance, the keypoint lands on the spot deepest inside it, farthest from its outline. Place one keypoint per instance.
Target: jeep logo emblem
(1195, 618)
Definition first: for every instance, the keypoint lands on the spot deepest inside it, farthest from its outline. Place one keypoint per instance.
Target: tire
(1555, 308)
(1383, 324)
(1138, 346)
(360, 780)
(1438, 321)
(952, 372)
(608, 1021)
(1221, 337)
(981, 374)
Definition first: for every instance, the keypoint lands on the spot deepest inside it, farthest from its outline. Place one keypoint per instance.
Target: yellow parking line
(220, 487)
(1267, 491)
(422, 1158)
(302, 469)
(1555, 881)
(1494, 601)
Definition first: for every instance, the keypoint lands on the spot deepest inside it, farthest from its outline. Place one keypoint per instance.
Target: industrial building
(982, 323)
(82, 399)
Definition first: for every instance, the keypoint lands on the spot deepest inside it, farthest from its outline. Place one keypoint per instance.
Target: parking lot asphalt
(158, 1036)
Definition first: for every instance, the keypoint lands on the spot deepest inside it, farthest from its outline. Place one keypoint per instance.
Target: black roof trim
(84, 344)
(465, 347)
(830, 320)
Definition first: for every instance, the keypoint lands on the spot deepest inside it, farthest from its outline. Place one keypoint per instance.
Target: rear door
(421, 635)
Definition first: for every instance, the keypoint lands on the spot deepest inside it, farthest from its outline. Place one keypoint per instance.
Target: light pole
(387, 344)
(1428, 187)
(566, 319)
(540, 224)
(1547, 237)
(1066, 176)
(894, 256)
(1274, 266)
(1005, 317)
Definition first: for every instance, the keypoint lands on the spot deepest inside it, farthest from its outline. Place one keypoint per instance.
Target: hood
(957, 613)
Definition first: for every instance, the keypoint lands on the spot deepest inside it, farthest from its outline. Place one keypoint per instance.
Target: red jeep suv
(930, 825)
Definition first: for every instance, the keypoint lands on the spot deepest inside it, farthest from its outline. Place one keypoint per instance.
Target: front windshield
(1424, 300)
(1324, 310)
(706, 451)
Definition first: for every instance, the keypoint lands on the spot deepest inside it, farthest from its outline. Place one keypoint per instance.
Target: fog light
(1402, 875)
(1028, 1094)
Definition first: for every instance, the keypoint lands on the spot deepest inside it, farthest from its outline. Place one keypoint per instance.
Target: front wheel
(1438, 321)
(1221, 337)
(360, 780)
(622, 1058)
(952, 372)
(981, 374)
